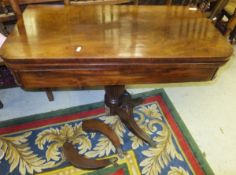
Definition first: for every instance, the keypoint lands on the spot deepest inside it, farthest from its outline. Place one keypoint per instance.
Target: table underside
(76, 75)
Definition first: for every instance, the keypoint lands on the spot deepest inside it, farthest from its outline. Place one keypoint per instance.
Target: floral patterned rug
(33, 144)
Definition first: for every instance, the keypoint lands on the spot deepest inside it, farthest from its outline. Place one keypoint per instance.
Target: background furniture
(13, 16)
(216, 7)
(228, 28)
(231, 25)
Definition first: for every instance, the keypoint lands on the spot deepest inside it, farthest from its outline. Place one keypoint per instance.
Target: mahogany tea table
(76, 46)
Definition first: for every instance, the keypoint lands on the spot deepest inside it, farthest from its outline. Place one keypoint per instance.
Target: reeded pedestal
(120, 103)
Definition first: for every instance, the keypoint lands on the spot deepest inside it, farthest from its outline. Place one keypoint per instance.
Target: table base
(118, 102)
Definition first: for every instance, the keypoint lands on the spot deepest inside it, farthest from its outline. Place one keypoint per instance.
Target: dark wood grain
(94, 125)
(83, 162)
(113, 74)
(50, 95)
(119, 45)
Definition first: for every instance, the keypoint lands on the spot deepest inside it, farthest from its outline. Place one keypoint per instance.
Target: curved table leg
(82, 162)
(120, 103)
(133, 127)
(99, 126)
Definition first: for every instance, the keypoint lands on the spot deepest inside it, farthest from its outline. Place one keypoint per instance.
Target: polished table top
(114, 32)
(77, 46)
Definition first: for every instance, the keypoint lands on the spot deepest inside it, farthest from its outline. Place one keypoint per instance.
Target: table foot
(79, 161)
(130, 123)
(99, 126)
(120, 103)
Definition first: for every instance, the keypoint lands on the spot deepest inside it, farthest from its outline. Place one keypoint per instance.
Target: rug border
(50, 114)
(193, 145)
(188, 137)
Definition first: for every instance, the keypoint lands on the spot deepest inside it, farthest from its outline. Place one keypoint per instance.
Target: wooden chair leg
(231, 24)
(1, 105)
(16, 8)
(232, 36)
(218, 8)
(50, 95)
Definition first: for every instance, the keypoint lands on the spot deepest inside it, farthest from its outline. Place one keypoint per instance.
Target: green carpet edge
(194, 147)
(50, 114)
(75, 109)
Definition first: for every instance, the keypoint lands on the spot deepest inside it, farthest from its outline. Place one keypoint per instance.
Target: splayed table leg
(120, 103)
(99, 126)
(80, 161)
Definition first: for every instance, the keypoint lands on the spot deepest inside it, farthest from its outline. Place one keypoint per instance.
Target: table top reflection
(114, 32)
